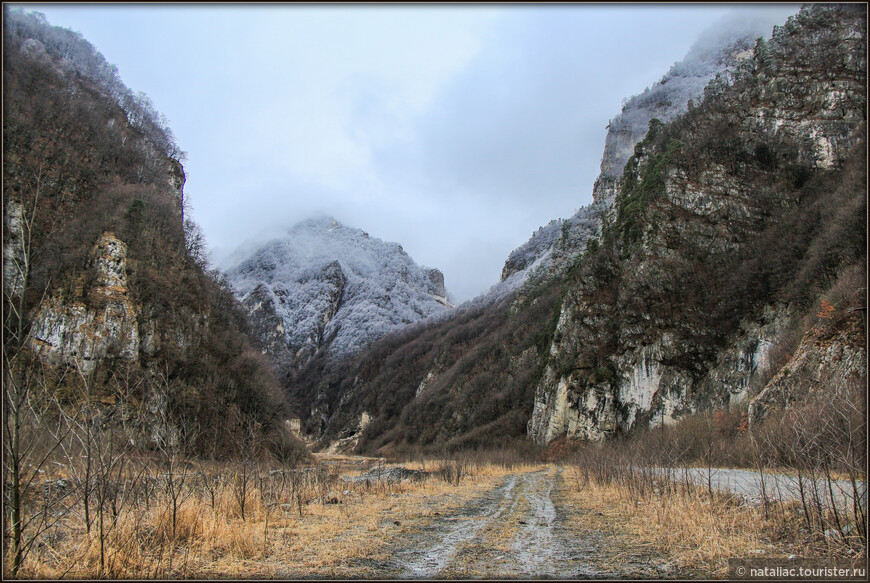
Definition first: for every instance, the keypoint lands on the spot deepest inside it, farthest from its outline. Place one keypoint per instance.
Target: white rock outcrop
(95, 323)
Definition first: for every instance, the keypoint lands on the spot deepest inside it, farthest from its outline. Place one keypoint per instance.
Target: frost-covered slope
(687, 301)
(720, 48)
(328, 285)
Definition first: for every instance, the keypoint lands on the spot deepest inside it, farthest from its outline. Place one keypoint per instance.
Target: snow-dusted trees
(80, 57)
(326, 280)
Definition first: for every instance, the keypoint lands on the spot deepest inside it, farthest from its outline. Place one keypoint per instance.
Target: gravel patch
(388, 474)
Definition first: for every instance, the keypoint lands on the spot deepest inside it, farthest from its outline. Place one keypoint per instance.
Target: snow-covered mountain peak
(325, 284)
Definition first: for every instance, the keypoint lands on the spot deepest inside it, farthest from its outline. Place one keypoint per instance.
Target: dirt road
(754, 486)
(521, 528)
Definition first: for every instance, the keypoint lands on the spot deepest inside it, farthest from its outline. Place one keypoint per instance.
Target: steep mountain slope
(460, 382)
(693, 282)
(106, 297)
(719, 49)
(326, 285)
(689, 284)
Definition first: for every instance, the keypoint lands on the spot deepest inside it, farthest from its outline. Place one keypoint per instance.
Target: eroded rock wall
(96, 320)
(641, 337)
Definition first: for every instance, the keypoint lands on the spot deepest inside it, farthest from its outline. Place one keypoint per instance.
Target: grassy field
(700, 533)
(256, 522)
(208, 520)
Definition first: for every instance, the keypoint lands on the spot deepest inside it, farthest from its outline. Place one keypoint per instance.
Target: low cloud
(455, 131)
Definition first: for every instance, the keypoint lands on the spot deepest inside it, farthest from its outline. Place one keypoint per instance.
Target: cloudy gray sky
(455, 130)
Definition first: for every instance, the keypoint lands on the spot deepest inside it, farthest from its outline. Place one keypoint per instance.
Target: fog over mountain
(281, 413)
(327, 285)
(454, 130)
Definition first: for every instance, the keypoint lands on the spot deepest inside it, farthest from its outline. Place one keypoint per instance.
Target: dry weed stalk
(290, 521)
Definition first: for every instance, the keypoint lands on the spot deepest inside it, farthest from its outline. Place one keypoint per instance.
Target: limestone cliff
(662, 319)
(97, 320)
(716, 231)
(831, 360)
(718, 51)
(106, 292)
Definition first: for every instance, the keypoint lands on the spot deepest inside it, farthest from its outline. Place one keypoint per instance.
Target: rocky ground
(522, 528)
(531, 522)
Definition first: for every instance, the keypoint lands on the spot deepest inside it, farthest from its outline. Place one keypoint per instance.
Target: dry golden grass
(689, 529)
(688, 532)
(353, 537)
(273, 540)
(497, 471)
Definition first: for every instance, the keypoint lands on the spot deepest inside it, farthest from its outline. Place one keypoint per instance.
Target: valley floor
(516, 525)
(459, 520)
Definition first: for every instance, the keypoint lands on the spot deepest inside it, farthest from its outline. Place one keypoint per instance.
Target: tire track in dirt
(452, 533)
(514, 530)
(541, 547)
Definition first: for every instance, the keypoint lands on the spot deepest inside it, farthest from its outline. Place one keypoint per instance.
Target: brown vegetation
(819, 442)
(485, 363)
(698, 532)
(82, 156)
(214, 519)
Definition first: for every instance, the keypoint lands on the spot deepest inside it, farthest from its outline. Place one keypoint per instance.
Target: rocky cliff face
(719, 50)
(656, 325)
(830, 361)
(326, 285)
(687, 285)
(106, 296)
(96, 320)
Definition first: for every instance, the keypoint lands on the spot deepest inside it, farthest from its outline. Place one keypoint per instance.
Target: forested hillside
(107, 297)
(707, 308)
(727, 234)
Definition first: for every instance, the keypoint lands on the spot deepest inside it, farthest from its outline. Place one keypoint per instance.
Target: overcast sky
(454, 130)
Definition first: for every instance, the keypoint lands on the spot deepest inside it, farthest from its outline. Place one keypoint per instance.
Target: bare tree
(96, 457)
(21, 371)
(30, 438)
(170, 443)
